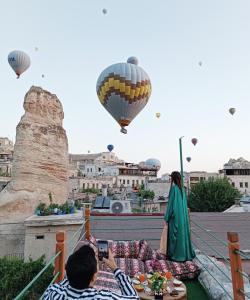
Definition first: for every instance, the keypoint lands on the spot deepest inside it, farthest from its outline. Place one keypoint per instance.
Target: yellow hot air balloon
(158, 115)
(124, 89)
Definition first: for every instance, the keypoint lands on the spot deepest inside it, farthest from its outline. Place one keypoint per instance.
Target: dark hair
(81, 267)
(176, 179)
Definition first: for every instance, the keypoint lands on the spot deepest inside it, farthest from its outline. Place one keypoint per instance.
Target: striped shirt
(63, 291)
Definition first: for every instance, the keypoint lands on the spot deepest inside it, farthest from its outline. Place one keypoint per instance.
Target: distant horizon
(195, 53)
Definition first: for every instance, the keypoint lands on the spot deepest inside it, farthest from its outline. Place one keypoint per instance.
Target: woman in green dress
(179, 247)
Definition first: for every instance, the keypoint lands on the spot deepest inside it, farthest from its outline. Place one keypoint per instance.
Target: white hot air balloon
(19, 61)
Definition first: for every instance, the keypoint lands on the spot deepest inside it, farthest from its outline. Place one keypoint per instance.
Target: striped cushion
(125, 249)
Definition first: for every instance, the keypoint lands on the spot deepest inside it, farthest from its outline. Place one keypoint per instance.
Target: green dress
(179, 247)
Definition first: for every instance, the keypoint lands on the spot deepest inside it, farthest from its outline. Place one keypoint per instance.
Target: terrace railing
(233, 262)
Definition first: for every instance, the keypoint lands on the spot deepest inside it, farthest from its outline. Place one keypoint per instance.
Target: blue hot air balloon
(19, 61)
(110, 147)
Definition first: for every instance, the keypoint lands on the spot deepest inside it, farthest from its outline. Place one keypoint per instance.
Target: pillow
(125, 249)
(146, 252)
(107, 281)
(130, 266)
(180, 270)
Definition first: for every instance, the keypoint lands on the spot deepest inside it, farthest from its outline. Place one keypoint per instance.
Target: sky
(76, 42)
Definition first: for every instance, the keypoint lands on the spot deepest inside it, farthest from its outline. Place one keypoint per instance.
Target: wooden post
(59, 262)
(235, 261)
(87, 222)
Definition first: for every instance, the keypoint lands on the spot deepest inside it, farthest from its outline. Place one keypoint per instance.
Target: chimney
(104, 190)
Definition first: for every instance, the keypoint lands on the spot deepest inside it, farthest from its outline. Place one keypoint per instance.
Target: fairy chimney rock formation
(40, 162)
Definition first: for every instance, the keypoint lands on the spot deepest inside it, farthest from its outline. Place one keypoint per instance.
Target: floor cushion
(180, 270)
(130, 266)
(125, 249)
(146, 252)
(107, 281)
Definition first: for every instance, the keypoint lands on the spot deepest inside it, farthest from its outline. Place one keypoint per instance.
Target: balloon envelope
(19, 61)
(188, 159)
(104, 11)
(124, 90)
(194, 141)
(157, 115)
(232, 110)
(110, 147)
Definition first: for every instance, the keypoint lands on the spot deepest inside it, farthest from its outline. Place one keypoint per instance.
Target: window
(246, 184)
(127, 181)
(93, 185)
(241, 184)
(124, 181)
(137, 182)
(87, 185)
(233, 184)
(120, 181)
(83, 186)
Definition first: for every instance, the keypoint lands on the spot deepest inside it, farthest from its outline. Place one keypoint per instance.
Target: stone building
(198, 176)
(6, 156)
(238, 172)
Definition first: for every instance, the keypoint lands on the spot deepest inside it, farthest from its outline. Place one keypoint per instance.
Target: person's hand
(110, 262)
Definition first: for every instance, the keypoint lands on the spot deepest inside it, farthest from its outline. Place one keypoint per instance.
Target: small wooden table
(181, 296)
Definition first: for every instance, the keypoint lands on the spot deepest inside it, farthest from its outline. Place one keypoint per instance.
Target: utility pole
(181, 162)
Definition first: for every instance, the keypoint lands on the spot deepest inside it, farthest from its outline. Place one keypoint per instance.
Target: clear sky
(77, 41)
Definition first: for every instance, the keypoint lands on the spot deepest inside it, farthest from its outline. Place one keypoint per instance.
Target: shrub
(15, 274)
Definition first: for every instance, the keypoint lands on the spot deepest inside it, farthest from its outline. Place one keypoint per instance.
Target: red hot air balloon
(194, 141)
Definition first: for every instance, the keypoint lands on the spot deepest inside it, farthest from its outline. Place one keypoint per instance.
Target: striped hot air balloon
(123, 89)
(19, 61)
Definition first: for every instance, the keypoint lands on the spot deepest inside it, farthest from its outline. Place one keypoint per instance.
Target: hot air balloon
(194, 141)
(232, 110)
(158, 115)
(43, 75)
(133, 60)
(104, 11)
(19, 61)
(110, 148)
(36, 49)
(123, 89)
(188, 159)
(200, 63)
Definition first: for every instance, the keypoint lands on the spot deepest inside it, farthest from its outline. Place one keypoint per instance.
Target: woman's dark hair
(81, 267)
(176, 179)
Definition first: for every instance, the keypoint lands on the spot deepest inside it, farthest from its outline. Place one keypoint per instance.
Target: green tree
(212, 195)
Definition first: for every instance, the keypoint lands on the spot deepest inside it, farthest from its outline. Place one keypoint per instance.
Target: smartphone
(103, 249)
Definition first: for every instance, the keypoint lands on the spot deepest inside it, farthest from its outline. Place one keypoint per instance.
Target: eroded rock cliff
(40, 162)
